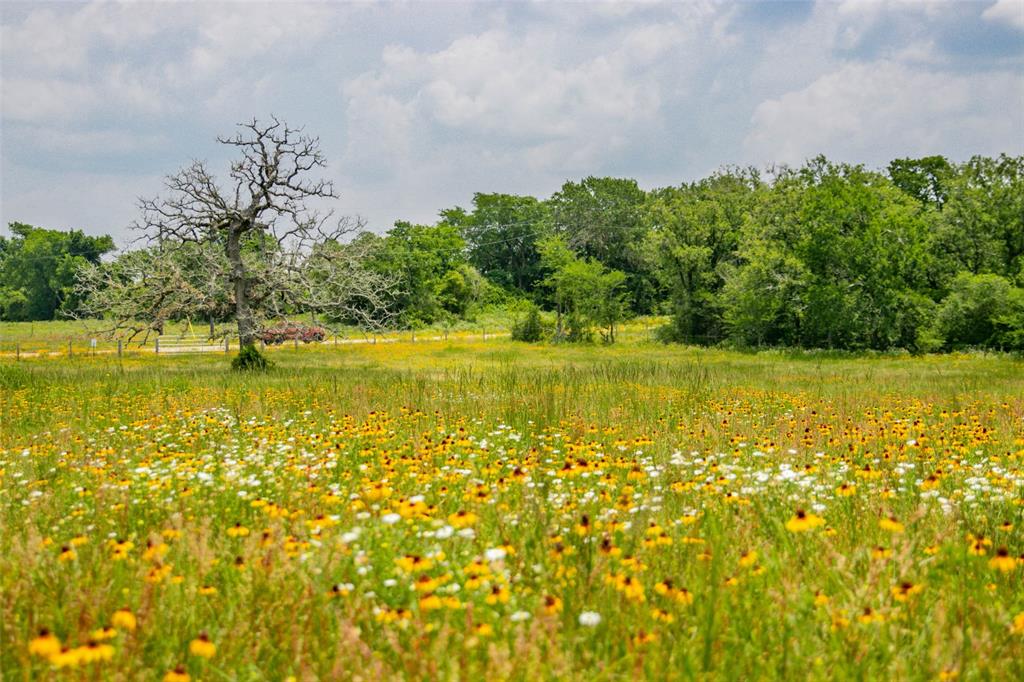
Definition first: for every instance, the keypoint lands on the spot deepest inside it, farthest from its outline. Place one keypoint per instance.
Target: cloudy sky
(420, 104)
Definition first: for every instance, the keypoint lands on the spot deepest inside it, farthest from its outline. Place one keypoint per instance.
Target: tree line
(924, 255)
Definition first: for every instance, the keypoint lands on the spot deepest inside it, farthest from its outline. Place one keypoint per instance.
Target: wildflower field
(492, 510)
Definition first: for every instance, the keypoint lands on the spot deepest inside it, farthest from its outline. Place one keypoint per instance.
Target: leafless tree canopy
(259, 245)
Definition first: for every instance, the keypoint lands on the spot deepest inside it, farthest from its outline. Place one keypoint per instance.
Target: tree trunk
(243, 313)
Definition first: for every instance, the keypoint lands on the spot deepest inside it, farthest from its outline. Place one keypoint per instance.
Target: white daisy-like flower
(495, 554)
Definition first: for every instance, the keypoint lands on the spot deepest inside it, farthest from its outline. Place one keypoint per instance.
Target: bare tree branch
(261, 249)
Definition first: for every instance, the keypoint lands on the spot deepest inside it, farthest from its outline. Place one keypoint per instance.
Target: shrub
(529, 329)
(250, 359)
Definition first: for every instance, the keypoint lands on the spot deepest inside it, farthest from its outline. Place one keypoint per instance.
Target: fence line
(168, 345)
(179, 345)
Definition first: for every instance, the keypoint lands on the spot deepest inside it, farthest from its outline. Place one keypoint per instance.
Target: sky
(418, 105)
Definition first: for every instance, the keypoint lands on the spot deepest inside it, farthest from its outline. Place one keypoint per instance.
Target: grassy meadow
(494, 510)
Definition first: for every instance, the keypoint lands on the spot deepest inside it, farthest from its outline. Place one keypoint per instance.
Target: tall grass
(688, 464)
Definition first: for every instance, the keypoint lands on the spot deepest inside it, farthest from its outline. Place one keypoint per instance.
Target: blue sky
(419, 105)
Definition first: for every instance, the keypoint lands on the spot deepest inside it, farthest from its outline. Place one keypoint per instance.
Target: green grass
(58, 332)
(687, 463)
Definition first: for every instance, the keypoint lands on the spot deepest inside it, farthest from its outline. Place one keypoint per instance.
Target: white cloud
(442, 100)
(1006, 11)
(50, 99)
(150, 58)
(874, 112)
(114, 89)
(230, 33)
(50, 41)
(500, 111)
(494, 83)
(539, 104)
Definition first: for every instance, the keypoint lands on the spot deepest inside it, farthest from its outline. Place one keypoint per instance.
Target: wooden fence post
(413, 332)
(69, 348)
(120, 350)
(157, 345)
(227, 344)
(296, 339)
(17, 352)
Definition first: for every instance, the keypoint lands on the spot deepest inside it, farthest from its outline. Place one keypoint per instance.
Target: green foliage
(603, 219)
(981, 311)
(585, 293)
(501, 235)
(981, 228)
(925, 179)
(758, 298)
(826, 255)
(454, 292)
(250, 360)
(461, 293)
(429, 261)
(831, 257)
(530, 329)
(38, 268)
(695, 231)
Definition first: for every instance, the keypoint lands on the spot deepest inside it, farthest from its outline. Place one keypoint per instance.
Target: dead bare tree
(261, 238)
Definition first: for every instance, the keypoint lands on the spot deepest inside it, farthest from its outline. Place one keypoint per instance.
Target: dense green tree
(926, 179)
(422, 256)
(981, 311)
(501, 235)
(38, 268)
(851, 249)
(982, 224)
(762, 299)
(694, 232)
(529, 329)
(603, 219)
(585, 293)
(461, 290)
